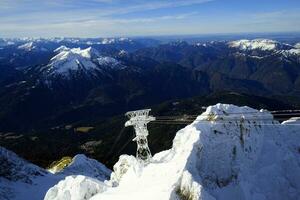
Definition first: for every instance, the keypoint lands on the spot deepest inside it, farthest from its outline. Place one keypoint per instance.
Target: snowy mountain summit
(228, 152)
(70, 61)
(268, 45)
(263, 44)
(27, 46)
(85, 166)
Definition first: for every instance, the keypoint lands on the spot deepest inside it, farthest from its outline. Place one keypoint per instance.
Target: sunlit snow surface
(228, 152)
(263, 44)
(68, 61)
(27, 46)
(21, 180)
(266, 45)
(71, 60)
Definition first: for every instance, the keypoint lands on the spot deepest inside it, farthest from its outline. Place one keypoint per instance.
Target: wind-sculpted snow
(75, 188)
(228, 152)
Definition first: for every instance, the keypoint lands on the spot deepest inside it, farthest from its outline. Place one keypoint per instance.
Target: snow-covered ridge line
(88, 41)
(88, 61)
(79, 166)
(220, 156)
(27, 46)
(297, 46)
(71, 60)
(263, 44)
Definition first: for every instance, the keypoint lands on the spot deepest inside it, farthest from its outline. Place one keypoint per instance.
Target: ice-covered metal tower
(139, 120)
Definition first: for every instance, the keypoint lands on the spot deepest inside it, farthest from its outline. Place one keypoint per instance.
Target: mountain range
(98, 79)
(55, 88)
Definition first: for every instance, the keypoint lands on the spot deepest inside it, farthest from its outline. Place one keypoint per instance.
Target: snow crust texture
(228, 152)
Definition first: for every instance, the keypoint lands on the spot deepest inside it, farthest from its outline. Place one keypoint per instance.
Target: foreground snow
(76, 188)
(87, 167)
(20, 180)
(228, 152)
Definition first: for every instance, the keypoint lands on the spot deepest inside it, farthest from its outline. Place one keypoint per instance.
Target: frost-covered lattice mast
(139, 120)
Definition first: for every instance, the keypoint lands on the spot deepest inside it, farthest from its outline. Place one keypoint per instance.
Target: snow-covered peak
(230, 112)
(29, 46)
(228, 152)
(6, 42)
(68, 60)
(262, 44)
(87, 61)
(110, 62)
(295, 52)
(123, 53)
(61, 48)
(293, 120)
(115, 40)
(86, 166)
(84, 178)
(297, 46)
(64, 52)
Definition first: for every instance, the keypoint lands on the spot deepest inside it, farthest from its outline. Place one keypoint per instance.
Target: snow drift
(228, 152)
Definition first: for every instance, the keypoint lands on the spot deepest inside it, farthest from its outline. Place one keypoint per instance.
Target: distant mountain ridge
(80, 75)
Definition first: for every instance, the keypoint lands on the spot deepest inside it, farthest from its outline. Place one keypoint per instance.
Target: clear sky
(97, 18)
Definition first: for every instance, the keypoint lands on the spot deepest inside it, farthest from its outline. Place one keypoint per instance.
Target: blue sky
(97, 18)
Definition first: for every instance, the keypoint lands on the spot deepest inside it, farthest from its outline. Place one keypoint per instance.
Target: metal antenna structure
(139, 120)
